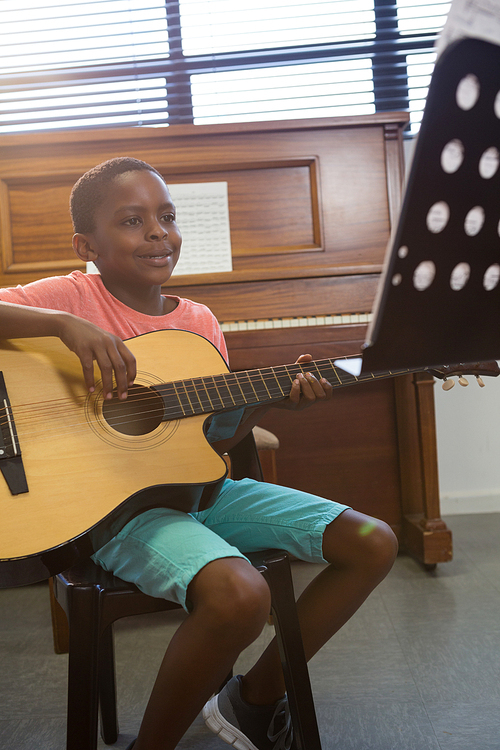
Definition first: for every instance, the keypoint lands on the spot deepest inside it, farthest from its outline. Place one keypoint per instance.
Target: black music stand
(439, 296)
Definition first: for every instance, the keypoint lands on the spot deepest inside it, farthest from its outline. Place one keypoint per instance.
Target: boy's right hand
(90, 343)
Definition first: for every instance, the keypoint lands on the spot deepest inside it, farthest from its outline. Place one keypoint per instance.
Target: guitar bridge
(11, 463)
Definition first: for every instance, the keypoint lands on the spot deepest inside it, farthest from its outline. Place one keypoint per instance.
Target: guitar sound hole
(140, 413)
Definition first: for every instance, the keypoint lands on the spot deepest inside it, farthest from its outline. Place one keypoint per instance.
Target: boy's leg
(361, 551)
(170, 554)
(231, 602)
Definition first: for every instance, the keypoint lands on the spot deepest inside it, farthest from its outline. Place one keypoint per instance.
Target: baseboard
(458, 503)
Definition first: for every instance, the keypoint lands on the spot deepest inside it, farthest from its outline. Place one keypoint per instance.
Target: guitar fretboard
(216, 393)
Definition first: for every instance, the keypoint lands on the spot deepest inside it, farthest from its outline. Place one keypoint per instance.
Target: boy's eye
(168, 218)
(132, 221)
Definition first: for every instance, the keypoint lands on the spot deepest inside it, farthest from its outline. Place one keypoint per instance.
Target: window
(101, 63)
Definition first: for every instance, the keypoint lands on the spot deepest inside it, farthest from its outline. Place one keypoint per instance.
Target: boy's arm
(305, 391)
(89, 342)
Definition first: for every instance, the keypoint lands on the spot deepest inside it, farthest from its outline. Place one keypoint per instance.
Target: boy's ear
(83, 247)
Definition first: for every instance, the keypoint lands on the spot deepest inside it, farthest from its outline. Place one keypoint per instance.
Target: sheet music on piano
(438, 301)
(203, 216)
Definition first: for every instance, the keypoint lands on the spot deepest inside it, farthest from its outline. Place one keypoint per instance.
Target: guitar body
(86, 478)
(75, 468)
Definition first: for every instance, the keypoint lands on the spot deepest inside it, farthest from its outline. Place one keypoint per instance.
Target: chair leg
(107, 688)
(296, 674)
(83, 689)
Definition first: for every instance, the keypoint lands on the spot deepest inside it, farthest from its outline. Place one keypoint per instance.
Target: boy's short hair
(88, 192)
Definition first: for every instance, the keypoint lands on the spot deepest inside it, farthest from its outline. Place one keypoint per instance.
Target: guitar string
(228, 379)
(173, 411)
(82, 426)
(69, 429)
(225, 380)
(252, 376)
(189, 388)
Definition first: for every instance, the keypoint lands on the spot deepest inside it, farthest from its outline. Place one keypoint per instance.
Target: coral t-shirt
(86, 296)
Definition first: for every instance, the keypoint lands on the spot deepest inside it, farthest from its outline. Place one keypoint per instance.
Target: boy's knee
(360, 540)
(232, 595)
(380, 543)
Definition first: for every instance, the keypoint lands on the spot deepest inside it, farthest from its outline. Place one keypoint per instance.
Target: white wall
(468, 437)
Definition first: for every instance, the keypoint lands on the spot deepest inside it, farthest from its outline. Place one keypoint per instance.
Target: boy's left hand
(306, 389)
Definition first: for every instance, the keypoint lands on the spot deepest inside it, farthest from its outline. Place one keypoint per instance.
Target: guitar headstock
(477, 369)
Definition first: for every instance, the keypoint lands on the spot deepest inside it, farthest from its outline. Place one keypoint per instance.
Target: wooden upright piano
(311, 205)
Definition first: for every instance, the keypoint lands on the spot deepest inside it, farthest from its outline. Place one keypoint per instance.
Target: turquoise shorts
(162, 550)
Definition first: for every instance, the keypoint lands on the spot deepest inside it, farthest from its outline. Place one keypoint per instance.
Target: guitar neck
(232, 390)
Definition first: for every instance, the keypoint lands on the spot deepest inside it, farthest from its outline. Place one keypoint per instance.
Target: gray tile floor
(417, 668)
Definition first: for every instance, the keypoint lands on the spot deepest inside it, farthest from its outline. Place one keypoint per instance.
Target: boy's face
(136, 240)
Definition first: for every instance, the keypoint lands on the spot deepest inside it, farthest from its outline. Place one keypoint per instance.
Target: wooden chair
(267, 444)
(93, 599)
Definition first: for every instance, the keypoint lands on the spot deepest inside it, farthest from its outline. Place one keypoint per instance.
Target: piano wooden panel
(311, 205)
(302, 202)
(372, 447)
(286, 298)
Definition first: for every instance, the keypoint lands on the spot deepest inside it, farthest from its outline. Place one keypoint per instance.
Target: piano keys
(308, 321)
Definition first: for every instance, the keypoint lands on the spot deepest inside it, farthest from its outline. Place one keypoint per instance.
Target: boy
(124, 222)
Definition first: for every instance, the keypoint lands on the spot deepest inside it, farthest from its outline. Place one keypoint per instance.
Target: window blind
(86, 64)
(102, 63)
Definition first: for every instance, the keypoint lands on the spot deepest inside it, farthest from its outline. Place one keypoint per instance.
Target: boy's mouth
(156, 257)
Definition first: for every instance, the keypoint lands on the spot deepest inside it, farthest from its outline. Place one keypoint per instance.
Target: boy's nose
(156, 232)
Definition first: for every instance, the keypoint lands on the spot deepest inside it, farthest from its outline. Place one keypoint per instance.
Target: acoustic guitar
(77, 468)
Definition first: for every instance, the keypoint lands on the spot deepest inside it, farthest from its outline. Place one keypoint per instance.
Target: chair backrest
(245, 459)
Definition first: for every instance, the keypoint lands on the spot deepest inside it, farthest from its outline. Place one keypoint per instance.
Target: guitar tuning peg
(480, 381)
(448, 384)
(463, 381)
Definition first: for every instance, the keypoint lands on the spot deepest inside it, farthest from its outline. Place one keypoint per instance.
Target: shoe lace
(280, 728)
